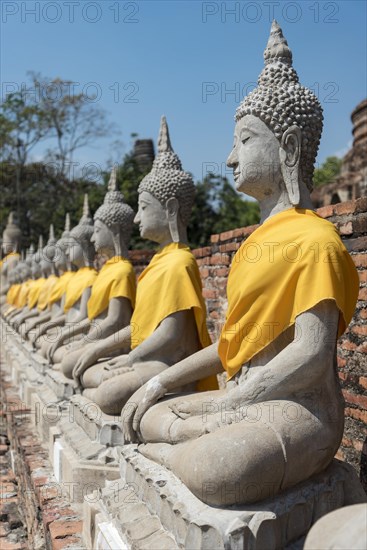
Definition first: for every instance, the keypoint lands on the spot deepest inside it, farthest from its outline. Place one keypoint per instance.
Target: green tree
(233, 211)
(327, 172)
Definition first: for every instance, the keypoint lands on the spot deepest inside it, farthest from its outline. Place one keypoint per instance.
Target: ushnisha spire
(86, 218)
(114, 210)
(66, 232)
(167, 179)
(281, 102)
(40, 243)
(51, 237)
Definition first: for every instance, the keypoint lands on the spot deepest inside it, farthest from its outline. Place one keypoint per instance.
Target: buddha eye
(245, 139)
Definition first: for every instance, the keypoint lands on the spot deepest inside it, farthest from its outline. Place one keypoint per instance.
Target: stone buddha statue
(80, 252)
(112, 298)
(292, 291)
(30, 310)
(10, 249)
(55, 312)
(16, 303)
(168, 323)
(50, 274)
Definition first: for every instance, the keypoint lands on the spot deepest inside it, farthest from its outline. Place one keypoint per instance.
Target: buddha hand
(137, 406)
(86, 360)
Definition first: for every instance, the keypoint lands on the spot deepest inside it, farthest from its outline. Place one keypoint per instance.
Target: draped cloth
(6, 258)
(292, 262)
(12, 295)
(45, 292)
(170, 283)
(59, 289)
(82, 279)
(115, 280)
(23, 294)
(34, 292)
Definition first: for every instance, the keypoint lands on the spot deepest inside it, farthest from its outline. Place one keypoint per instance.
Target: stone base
(87, 450)
(280, 522)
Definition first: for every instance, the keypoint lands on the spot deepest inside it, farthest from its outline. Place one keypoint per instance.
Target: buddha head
(166, 196)
(11, 236)
(278, 130)
(113, 222)
(80, 250)
(48, 254)
(61, 261)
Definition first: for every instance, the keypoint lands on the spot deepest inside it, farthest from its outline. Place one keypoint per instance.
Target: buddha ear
(289, 154)
(172, 208)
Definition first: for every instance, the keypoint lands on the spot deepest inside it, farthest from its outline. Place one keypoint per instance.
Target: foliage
(327, 172)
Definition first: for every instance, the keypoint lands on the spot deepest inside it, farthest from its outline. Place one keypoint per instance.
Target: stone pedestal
(158, 496)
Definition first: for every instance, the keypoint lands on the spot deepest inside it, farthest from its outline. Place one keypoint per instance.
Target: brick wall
(350, 219)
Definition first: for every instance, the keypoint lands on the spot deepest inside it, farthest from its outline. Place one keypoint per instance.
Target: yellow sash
(116, 279)
(34, 292)
(171, 282)
(23, 295)
(45, 292)
(10, 255)
(82, 279)
(12, 294)
(293, 261)
(60, 287)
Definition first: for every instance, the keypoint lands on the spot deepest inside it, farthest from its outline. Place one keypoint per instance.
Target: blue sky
(183, 59)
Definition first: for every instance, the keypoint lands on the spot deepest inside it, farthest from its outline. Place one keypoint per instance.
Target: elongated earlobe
(289, 154)
(172, 208)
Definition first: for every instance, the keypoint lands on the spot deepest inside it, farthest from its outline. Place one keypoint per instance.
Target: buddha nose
(137, 218)
(232, 159)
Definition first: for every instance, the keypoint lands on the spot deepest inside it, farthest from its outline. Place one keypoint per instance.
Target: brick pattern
(41, 506)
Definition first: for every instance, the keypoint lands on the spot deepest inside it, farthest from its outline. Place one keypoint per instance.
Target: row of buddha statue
(142, 349)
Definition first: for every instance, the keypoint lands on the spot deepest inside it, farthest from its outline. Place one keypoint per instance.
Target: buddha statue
(10, 249)
(55, 311)
(113, 292)
(80, 252)
(23, 268)
(30, 310)
(168, 322)
(50, 274)
(291, 291)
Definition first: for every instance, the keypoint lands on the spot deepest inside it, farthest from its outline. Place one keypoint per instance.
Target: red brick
(343, 376)
(357, 414)
(363, 313)
(347, 207)
(355, 245)
(209, 293)
(361, 330)
(359, 400)
(220, 259)
(362, 348)
(341, 362)
(59, 544)
(360, 260)
(221, 272)
(346, 229)
(214, 238)
(61, 528)
(325, 211)
(202, 252)
(8, 545)
(204, 272)
(347, 345)
(226, 236)
(362, 294)
(363, 382)
(340, 455)
(229, 247)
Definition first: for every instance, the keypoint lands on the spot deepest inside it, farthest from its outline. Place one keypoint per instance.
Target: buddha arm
(55, 322)
(164, 342)
(301, 365)
(118, 317)
(118, 341)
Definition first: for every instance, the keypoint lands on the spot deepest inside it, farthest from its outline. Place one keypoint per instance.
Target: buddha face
(74, 252)
(152, 219)
(36, 270)
(60, 258)
(102, 238)
(255, 159)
